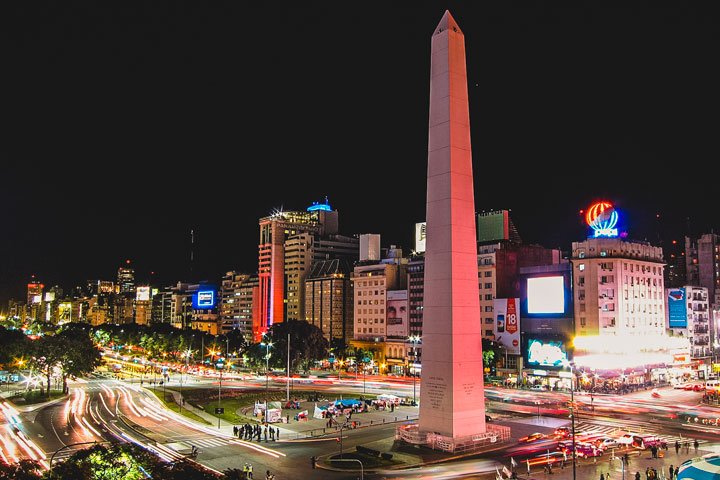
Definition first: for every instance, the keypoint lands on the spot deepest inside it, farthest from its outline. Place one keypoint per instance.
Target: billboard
(546, 295)
(546, 353)
(204, 300)
(64, 313)
(49, 296)
(507, 323)
(420, 236)
(143, 294)
(677, 307)
(397, 314)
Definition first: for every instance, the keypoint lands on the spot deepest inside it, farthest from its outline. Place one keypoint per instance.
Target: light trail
(258, 448)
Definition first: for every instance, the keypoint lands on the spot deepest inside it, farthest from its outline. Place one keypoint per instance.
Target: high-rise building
(329, 299)
(126, 279)
(370, 247)
(618, 289)
(702, 257)
(499, 266)
(688, 315)
(195, 306)
(239, 304)
(496, 226)
(370, 284)
(275, 230)
(162, 305)
(34, 292)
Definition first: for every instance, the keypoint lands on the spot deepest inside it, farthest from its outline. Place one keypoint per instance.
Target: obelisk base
(489, 440)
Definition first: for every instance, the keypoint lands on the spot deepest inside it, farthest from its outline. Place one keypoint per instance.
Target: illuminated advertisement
(546, 353)
(507, 323)
(546, 295)
(602, 218)
(49, 296)
(143, 294)
(677, 307)
(397, 317)
(204, 299)
(420, 236)
(64, 312)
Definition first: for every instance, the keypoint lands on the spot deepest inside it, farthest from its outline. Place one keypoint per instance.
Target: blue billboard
(204, 300)
(677, 308)
(546, 353)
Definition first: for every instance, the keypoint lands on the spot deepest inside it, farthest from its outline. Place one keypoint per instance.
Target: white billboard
(143, 294)
(546, 295)
(397, 314)
(507, 323)
(420, 237)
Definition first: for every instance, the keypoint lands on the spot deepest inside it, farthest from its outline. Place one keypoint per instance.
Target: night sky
(128, 125)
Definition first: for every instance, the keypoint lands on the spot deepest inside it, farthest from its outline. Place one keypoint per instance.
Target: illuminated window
(581, 267)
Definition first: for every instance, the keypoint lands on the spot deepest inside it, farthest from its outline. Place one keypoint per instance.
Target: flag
(506, 471)
(513, 463)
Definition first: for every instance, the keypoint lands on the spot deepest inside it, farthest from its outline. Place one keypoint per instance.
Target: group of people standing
(250, 432)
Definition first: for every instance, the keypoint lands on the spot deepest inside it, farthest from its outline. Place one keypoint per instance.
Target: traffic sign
(219, 410)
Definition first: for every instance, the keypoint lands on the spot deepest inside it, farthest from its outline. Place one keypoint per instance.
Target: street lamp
(570, 366)
(215, 353)
(267, 345)
(414, 339)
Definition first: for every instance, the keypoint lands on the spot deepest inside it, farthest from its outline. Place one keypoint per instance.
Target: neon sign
(603, 219)
(316, 206)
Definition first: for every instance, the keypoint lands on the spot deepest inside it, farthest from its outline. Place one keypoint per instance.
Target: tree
(48, 351)
(80, 356)
(13, 343)
(23, 470)
(307, 344)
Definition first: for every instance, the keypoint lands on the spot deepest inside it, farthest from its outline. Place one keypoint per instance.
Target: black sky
(129, 124)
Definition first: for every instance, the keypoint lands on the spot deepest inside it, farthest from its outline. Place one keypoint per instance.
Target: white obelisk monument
(452, 401)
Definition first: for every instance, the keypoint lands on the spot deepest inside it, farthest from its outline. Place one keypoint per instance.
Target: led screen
(546, 353)
(204, 299)
(546, 295)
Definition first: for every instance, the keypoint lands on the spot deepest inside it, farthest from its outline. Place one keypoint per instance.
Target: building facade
(239, 303)
(329, 299)
(688, 315)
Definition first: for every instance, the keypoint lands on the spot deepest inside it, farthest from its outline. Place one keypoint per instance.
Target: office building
(688, 315)
(329, 299)
(239, 304)
(126, 279)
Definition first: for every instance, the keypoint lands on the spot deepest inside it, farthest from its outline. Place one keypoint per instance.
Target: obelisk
(452, 401)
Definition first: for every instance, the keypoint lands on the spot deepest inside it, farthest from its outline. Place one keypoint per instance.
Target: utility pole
(287, 396)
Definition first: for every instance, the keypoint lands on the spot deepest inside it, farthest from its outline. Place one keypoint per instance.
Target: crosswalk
(207, 442)
(614, 430)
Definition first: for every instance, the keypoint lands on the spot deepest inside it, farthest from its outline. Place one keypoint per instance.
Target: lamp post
(267, 346)
(572, 411)
(414, 339)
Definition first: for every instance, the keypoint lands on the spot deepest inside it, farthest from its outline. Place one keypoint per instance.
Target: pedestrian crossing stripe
(208, 442)
(612, 431)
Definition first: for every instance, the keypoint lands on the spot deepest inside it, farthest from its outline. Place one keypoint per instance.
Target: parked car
(584, 450)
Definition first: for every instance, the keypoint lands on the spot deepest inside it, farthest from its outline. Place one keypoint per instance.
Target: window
(488, 308)
(488, 296)
(488, 320)
(489, 333)
(583, 321)
(581, 281)
(488, 273)
(488, 285)
(581, 267)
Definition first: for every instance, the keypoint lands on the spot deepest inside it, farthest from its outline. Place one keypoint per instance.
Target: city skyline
(593, 98)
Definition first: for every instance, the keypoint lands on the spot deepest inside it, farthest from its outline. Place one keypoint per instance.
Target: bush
(367, 451)
(386, 456)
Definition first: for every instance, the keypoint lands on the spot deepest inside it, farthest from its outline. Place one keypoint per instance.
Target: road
(112, 410)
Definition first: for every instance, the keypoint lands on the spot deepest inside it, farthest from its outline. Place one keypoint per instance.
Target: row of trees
(67, 353)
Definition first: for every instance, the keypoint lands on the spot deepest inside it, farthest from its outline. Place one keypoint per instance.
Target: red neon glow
(595, 211)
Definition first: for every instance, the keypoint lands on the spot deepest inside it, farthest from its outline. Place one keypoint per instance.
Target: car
(627, 439)
(561, 432)
(605, 443)
(584, 450)
(538, 388)
(532, 437)
(679, 386)
(488, 418)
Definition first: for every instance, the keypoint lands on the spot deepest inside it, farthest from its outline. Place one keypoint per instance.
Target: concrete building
(499, 267)
(702, 257)
(618, 288)
(370, 247)
(370, 285)
(688, 315)
(239, 303)
(275, 230)
(195, 306)
(496, 226)
(329, 299)
(162, 304)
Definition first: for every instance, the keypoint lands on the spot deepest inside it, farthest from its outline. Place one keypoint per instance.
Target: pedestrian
(250, 471)
(696, 445)
(671, 471)
(637, 476)
(602, 476)
(265, 432)
(277, 433)
(687, 446)
(677, 447)
(269, 476)
(235, 431)
(313, 462)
